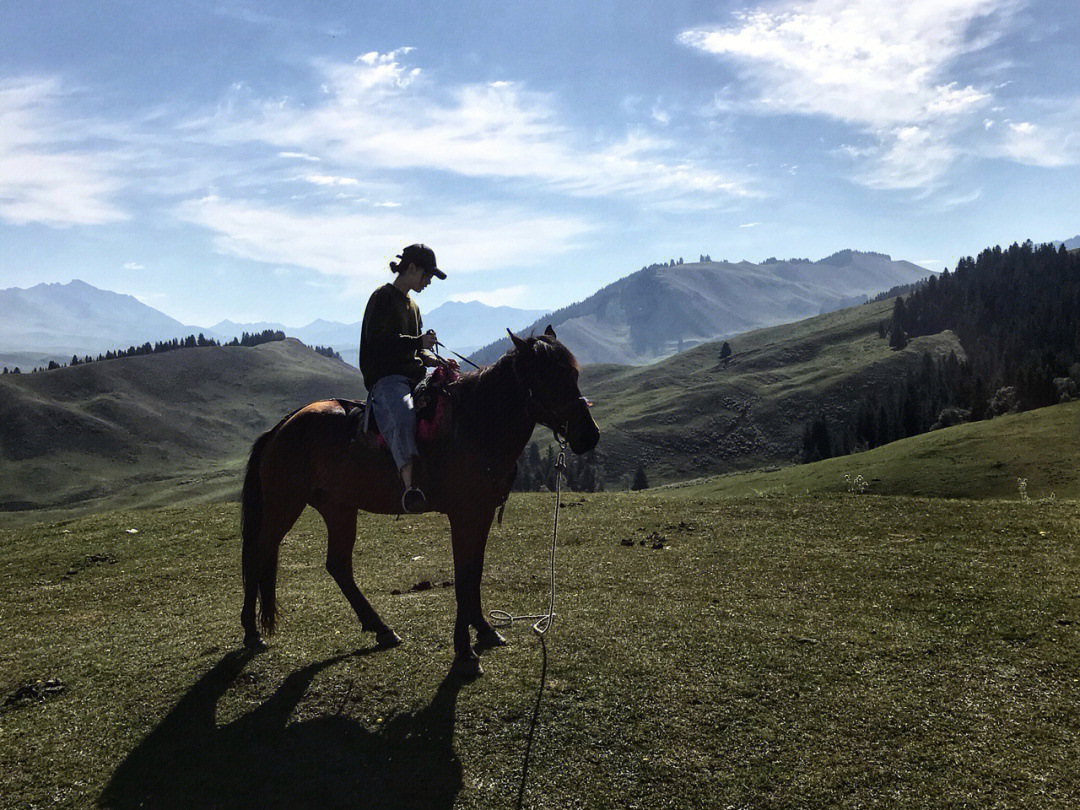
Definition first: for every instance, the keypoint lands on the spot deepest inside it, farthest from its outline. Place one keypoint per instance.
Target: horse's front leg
(469, 533)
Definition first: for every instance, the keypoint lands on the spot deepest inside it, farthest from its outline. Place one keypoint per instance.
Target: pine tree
(897, 327)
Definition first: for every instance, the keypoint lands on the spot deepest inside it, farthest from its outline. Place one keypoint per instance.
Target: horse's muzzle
(582, 434)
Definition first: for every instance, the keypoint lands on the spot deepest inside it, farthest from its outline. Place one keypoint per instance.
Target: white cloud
(46, 175)
(134, 266)
(380, 113)
(299, 156)
(501, 297)
(329, 180)
(1052, 142)
(879, 64)
(887, 68)
(359, 246)
(749, 224)
(908, 157)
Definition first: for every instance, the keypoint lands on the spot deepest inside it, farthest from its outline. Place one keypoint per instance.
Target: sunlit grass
(776, 652)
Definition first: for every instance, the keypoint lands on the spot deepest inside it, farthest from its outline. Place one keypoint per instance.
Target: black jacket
(390, 337)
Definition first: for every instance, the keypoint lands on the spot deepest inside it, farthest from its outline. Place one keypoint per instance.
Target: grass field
(842, 651)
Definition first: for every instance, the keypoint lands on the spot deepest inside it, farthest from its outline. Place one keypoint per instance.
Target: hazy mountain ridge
(78, 318)
(55, 321)
(462, 325)
(662, 309)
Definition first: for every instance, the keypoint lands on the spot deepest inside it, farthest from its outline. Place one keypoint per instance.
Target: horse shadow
(261, 760)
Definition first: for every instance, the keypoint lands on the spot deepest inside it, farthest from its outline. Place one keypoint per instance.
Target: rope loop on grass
(501, 618)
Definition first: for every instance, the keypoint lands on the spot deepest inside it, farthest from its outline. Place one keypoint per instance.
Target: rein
(439, 343)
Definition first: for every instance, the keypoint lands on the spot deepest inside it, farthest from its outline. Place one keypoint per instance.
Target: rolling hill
(691, 414)
(176, 427)
(664, 309)
(151, 429)
(978, 460)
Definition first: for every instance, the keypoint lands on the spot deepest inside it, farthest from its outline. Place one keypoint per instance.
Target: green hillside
(152, 429)
(692, 415)
(978, 460)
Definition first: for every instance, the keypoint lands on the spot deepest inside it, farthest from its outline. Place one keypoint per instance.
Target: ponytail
(395, 267)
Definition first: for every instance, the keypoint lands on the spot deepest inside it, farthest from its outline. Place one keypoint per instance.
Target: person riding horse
(394, 351)
(312, 457)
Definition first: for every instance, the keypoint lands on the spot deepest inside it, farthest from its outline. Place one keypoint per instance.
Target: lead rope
(500, 618)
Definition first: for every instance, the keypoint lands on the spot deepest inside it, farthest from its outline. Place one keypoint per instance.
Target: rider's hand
(428, 340)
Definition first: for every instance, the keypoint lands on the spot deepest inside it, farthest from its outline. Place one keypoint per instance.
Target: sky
(265, 161)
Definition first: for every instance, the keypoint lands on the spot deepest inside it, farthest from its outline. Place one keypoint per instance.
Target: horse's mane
(483, 395)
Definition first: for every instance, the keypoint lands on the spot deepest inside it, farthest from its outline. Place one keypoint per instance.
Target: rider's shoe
(413, 501)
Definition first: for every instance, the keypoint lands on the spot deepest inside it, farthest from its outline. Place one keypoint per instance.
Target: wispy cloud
(49, 172)
(1052, 142)
(134, 266)
(883, 65)
(907, 157)
(749, 224)
(359, 246)
(495, 130)
(886, 68)
(330, 180)
(299, 156)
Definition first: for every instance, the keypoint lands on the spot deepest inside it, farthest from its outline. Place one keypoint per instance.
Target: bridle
(557, 421)
(551, 420)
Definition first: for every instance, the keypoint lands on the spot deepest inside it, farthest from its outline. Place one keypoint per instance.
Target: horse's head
(549, 373)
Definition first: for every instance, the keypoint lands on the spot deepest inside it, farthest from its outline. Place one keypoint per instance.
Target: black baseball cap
(423, 257)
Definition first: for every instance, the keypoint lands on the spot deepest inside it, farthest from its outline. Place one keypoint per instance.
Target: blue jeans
(391, 399)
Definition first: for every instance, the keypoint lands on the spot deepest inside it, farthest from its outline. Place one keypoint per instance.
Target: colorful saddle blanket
(430, 402)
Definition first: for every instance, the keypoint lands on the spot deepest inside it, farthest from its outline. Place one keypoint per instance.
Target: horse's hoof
(387, 638)
(255, 643)
(489, 639)
(467, 668)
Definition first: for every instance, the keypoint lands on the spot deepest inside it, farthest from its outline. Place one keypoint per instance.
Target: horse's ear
(519, 344)
(549, 331)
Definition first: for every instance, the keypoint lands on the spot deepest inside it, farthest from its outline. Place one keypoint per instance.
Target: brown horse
(467, 470)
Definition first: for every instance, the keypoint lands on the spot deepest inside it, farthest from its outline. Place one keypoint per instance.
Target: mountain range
(667, 308)
(462, 326)
(55, 321)
(653, 313)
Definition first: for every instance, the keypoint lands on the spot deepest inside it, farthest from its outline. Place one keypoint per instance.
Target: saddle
(430, 402)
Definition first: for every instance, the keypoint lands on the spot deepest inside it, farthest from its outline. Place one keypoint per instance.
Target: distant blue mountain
(55, 321)
(462, 326)
(78, 318)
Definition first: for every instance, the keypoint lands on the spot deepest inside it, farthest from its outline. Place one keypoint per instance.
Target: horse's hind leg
(341, 537)
(261, 563)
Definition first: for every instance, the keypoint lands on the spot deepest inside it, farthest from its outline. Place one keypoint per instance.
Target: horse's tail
(259, 559)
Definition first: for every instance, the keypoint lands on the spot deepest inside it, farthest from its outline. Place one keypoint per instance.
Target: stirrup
(413, 501)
